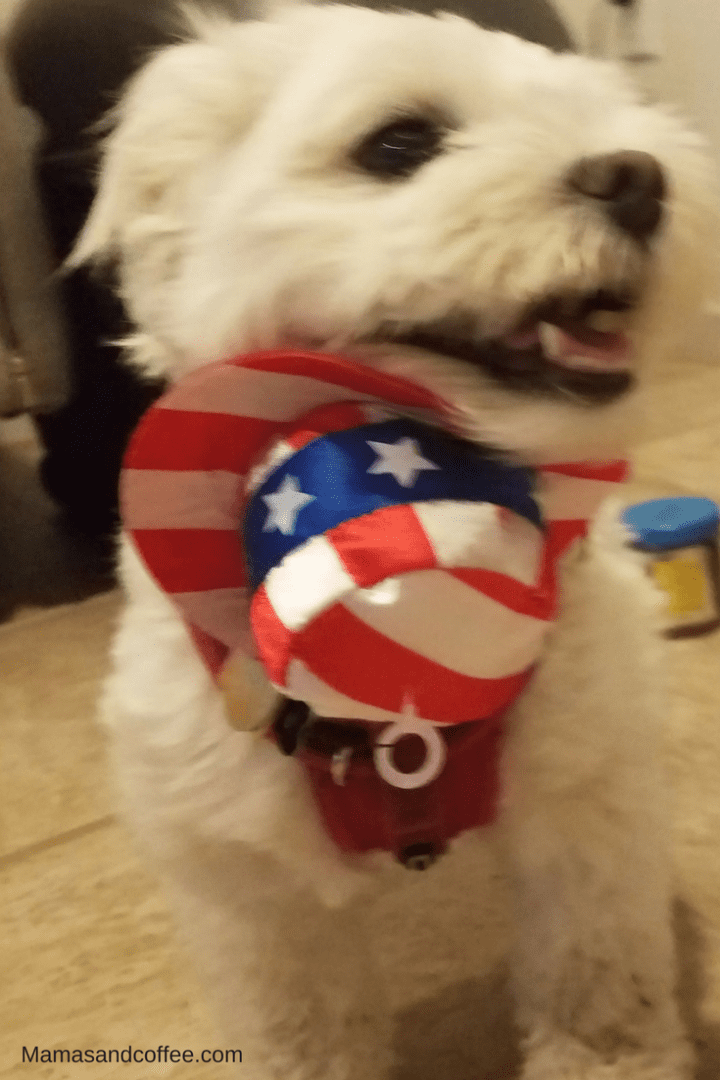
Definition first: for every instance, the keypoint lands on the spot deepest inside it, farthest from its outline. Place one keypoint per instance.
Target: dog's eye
(398, 149)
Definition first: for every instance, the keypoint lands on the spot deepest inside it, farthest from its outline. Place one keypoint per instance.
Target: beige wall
(688, 74)
(702, 68)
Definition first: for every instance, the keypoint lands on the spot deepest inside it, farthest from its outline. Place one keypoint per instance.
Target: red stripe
(176, 440)
(297, 439)
(367, 666)
(274, 640)
(562, 533)
(338, 371)
(614, 472)
(371, 547)
(536, 601)
(325, 419)
(365, 814)
(193, 560)
(212, 651)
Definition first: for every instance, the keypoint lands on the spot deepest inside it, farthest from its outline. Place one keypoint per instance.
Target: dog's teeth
(551, 340)
(607, 322)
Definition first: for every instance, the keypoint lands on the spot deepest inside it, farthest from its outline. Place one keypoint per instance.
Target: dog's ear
(189, 102)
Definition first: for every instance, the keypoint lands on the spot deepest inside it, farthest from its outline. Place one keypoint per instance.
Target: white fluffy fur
(237, 222)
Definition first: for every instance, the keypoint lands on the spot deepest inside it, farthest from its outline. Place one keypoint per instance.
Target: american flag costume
(321, 516)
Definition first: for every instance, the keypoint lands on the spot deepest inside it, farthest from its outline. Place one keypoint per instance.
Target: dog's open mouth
(571, 346)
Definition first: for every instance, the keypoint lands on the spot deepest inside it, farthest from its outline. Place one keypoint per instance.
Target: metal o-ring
(435, 754)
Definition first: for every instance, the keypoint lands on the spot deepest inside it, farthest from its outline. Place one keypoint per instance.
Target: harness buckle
(435, 753)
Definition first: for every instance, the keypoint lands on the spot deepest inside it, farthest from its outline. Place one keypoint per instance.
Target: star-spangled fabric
(340, 479)
(317, 570)
(395, 568)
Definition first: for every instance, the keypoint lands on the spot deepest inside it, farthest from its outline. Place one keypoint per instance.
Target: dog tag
(251, 701)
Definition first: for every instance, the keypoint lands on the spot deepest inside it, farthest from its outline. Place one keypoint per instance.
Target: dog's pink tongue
(586, 349)
(576, 346)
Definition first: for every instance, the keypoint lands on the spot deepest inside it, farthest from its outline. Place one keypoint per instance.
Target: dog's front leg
(588, 836)
(270, 911)
(291, 981)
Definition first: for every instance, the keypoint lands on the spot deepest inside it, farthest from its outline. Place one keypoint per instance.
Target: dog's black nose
(631, 185)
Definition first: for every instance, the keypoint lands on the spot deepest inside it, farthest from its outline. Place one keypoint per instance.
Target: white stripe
(571, 498)
(263, 395)
(303, 685)
(479, 536)
(257, 476)
(222, 613)
(306, 582)
(449, 622)
(170, 499)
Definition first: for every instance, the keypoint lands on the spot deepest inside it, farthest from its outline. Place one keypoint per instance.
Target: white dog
(511, 229)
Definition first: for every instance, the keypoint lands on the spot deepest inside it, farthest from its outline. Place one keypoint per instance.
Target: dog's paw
(566, 1059)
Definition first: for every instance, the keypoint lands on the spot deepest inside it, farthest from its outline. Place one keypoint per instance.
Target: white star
(402, 459)
(285, 505)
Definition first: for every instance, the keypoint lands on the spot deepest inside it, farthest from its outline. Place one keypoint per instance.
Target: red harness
(363, 812)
